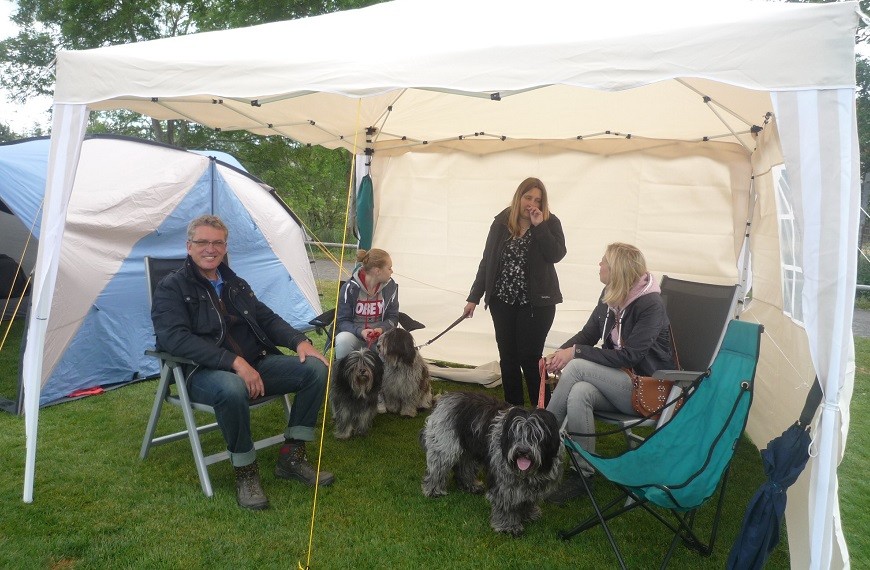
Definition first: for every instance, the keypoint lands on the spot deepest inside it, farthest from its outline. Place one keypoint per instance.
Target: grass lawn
(96, 505)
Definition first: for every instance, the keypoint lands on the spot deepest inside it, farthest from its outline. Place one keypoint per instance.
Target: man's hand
(559, 359)
(306, 349)
(250, 376)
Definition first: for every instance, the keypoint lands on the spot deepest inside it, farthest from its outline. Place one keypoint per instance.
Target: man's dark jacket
(188, 323)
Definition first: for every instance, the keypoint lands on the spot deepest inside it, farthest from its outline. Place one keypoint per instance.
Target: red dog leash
(542, 368)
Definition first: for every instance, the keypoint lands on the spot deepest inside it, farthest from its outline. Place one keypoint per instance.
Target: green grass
(96, 505)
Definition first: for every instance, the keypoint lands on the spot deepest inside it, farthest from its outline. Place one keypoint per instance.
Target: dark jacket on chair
(189, 323)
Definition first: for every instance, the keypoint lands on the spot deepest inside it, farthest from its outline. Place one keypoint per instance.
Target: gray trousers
(584, 387)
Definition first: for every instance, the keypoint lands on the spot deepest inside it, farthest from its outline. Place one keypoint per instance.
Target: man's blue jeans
(226, 392)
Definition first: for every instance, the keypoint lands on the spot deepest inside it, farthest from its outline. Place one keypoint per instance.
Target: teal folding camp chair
(680, 465)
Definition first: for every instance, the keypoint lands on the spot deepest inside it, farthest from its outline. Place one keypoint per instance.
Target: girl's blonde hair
(627, 265)
(373, 258)
(516, 204)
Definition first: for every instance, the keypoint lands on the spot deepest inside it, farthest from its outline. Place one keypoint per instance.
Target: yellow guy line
(350, 187)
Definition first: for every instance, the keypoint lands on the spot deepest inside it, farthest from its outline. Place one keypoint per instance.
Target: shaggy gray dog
(407, 386)
(354, 394)
(520, 449)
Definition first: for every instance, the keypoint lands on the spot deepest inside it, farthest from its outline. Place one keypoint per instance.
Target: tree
(47, 26)
(6, 133)
(312, 180)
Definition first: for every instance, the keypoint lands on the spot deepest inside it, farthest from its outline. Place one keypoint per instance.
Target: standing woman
(631, 322)
(368, 303)
(517, 280)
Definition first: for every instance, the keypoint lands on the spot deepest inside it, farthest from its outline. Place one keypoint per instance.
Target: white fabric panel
(577, 43)
(418, 70)
(68, 126)
(283, 234)
(111, 211)
(819, 142)
(434, 210)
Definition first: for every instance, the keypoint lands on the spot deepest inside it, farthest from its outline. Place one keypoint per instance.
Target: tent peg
(255, 103)
(495, 96)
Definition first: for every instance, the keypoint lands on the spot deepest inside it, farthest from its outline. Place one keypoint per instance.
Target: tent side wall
(683, 204)
(125, 208)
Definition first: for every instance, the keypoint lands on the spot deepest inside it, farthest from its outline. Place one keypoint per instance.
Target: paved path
(327, 270)
(861, 323)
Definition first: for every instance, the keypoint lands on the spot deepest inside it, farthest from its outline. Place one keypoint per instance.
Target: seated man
(206, 313)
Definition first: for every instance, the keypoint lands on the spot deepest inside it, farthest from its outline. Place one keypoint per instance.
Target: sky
(20, 118)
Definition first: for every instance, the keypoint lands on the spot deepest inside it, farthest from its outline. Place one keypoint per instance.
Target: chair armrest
(680, 377)
(168, 357)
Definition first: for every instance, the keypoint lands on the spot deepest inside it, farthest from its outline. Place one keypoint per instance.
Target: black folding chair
(699, 314)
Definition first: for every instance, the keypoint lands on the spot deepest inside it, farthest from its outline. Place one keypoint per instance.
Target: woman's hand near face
(536, 216)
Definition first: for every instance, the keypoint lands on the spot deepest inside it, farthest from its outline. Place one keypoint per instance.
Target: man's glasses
(218, 243)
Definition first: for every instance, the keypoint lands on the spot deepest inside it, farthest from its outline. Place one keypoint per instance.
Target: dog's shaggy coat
(407, 385)
(520, 449)
(354, 395)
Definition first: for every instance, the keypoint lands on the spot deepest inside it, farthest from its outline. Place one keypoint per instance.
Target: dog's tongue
(524, 463)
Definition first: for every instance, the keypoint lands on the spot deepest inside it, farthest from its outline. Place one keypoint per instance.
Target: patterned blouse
(512, 283)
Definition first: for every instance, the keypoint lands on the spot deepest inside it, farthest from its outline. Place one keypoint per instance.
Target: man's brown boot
(249, 493)
(293, 464)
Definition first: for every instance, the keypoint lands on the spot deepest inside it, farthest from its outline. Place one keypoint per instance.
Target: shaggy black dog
(354, 395)
(407, 384)
(520, 449)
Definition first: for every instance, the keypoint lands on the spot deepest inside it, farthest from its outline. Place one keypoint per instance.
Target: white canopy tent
(666, 124)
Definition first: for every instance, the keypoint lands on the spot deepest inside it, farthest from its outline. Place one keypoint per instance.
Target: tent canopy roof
(324, 80)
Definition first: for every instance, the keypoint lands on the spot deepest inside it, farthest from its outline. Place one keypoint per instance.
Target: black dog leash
(442, 333)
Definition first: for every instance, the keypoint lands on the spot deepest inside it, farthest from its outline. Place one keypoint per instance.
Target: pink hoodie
(643, 286)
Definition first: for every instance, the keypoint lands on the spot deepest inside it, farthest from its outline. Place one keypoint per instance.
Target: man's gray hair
(207, 220)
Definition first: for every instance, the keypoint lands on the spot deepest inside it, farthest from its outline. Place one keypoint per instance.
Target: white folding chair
(172, 371)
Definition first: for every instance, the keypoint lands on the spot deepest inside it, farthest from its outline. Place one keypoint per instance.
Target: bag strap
(674, 347)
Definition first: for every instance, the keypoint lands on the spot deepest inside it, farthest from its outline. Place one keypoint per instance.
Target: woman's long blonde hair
(627, 265)
(515, 211)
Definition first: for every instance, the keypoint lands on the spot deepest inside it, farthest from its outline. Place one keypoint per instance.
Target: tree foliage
(312, 180)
